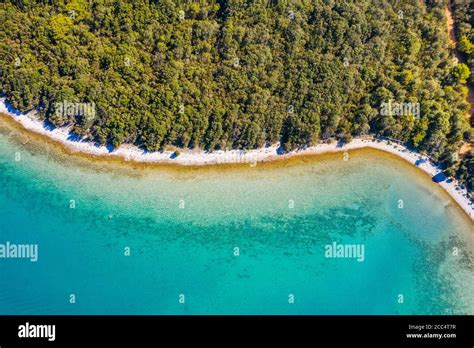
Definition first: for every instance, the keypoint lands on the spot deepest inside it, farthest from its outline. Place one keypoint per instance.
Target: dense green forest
(240, 73)
(464, 19)
(464, 31)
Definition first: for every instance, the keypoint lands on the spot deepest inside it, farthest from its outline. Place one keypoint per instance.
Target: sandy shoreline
(199, 158)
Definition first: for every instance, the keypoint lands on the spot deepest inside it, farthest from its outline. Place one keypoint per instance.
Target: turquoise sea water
(182, 228)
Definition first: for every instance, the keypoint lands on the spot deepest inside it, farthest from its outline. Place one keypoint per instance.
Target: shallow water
(182, 227)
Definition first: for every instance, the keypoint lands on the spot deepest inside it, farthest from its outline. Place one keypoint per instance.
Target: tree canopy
(239, 74)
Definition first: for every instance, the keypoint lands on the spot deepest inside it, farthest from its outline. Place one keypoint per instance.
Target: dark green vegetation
(466, 171)
(463, 12)
(238, 74)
